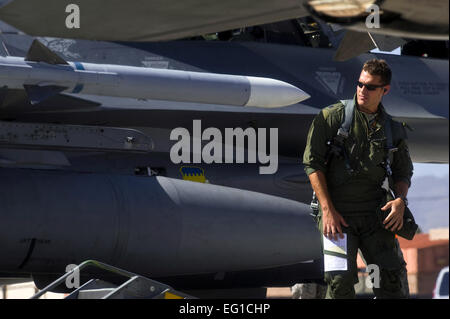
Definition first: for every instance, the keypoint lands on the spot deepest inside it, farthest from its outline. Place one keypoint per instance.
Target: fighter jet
(92, 177)
(45, 147)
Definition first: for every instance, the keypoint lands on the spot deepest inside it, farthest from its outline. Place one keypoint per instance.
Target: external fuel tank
(153, 226)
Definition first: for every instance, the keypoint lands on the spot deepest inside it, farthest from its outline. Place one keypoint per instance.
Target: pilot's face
(369, 92)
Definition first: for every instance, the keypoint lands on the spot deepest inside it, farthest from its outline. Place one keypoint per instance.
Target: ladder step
(94, 293)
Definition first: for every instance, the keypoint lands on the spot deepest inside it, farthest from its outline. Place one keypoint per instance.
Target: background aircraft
(163, 228)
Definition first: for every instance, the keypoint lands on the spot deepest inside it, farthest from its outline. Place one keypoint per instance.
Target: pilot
(348, 184)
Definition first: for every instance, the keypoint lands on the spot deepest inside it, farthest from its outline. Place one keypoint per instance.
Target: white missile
(42, 73)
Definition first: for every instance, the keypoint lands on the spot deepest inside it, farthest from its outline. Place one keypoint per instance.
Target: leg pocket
(381, 249)
(391, 285)
(340, 285)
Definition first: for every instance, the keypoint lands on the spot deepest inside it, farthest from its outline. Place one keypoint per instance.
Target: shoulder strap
(388, 132)
(336, 145)
(389, 142)
(348, 117)
(390, 151)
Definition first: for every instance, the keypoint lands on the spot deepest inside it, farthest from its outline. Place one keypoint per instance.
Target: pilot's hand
(394, 221)
(331, 222)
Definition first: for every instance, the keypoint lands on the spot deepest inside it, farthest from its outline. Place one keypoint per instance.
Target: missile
(42, 73)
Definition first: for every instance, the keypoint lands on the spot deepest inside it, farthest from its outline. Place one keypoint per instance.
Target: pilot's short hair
(380, 68)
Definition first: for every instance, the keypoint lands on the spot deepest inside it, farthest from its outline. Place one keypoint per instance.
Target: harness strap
(390, 152)
(348, 117)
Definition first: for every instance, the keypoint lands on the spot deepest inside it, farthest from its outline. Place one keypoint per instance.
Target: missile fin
(37, 94)
(3, 48)
(386, 43)
(353, 44)
(40, 53)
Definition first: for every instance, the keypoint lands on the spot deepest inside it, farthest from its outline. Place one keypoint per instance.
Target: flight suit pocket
(377, 156)
(377, 151)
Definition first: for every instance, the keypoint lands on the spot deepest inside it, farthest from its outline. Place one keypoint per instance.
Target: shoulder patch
(332, 109)
(335, 106)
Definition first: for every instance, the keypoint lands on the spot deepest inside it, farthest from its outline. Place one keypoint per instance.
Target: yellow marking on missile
(169, 295)
(193, 174)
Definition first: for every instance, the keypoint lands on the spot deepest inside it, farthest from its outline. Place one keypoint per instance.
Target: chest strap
(336, 146)
(348, 117)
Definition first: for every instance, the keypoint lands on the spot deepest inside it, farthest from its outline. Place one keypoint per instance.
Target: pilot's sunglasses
(370, 87)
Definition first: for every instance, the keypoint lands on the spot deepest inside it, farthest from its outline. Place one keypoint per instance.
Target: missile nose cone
(270, 93)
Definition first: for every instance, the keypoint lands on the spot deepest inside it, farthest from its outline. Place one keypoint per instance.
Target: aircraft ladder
(136, 287)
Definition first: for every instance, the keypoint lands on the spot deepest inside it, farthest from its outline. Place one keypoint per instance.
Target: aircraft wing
(158, 20)
(142, 20)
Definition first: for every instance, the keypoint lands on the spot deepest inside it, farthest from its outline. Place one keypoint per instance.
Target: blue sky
(438, 170)
(429, 195)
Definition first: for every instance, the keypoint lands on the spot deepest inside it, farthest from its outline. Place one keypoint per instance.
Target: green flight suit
(358, 195)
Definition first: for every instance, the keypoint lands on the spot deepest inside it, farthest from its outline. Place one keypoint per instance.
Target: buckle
(392, 150)
(342, 133)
